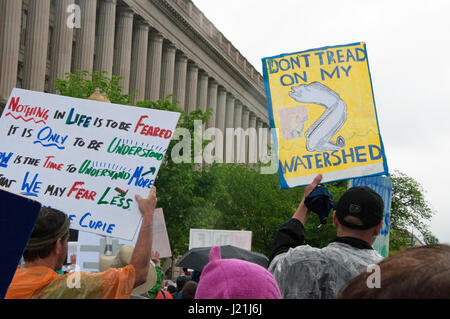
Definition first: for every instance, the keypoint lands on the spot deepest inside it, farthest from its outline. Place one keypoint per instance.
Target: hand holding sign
(147, 205)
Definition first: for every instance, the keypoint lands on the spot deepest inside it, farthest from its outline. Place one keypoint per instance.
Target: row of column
(122, 45)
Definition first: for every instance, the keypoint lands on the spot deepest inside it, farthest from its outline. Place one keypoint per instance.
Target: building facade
(160, 47)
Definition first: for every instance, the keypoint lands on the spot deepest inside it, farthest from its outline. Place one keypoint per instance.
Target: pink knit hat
(235, 279)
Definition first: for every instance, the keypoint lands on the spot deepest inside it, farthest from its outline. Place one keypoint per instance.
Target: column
(229, 124)
(191, 87)
(245, 123)
(85, 37)
(154, 58)
(259, 132)
(238, 130)
(202, 93)
(252, 138)
(10, 15)
(167, 70)
(212, 103)
(122, 48)
(105, 36)
(61, 55)
(220, 122)
(36, 45)
(138, 61)
(179, 86)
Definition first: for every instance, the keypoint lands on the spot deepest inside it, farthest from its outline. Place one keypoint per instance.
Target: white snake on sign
(329, 123)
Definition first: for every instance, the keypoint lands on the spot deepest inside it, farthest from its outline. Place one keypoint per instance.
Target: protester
(189, 289)
(303, 271)
(181, 281)
(420, 272)
(172, 289)
(47, 249)
(235, 279)
(152, 293)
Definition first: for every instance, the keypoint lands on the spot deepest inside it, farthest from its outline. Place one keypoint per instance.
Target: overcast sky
(408, 47)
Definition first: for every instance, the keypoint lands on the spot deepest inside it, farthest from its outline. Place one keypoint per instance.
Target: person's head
(419, 272)
(171, 289)
(359, 213)
(189, 289)
(235, 279)
(48, 243)
(181, 281)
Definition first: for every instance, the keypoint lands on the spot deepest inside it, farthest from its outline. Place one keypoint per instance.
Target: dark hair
(171, 289)
(49, 221)
(181, 281)
(420, 272)
(189, 290)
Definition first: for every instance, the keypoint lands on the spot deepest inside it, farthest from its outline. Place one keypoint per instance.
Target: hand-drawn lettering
(85, 168)
(59, 115)
(49, 164)
(6, 182)
(151, 130)
(79, 142)
(111, 123)
(116, 147)
(36, 114)
(118, 200)
(139, 181)
(18, 159)
(4, 158)
(81, 193)
(124, 126)
(27, 132)
(53, 190)
(87, 221)
(95, 145)
(46, 135)
(12, 130)
(31, 161)
(79, 119)
(98, 122)
(71, 168)
(30, 189)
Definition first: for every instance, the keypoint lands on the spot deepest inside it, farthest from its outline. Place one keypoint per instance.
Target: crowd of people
(296, 270)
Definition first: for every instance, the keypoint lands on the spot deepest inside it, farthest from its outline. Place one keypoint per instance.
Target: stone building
(160, 47)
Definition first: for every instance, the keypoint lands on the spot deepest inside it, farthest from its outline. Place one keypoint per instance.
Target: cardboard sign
(91, 246)
(383, 186)
(18, 214)
(212, 237)
(321, 104)
(85, 158)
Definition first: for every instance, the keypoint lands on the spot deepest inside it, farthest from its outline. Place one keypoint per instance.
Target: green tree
(409, 210)
(82, 84)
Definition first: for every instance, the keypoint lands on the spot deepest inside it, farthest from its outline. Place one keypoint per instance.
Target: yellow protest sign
(323, 116)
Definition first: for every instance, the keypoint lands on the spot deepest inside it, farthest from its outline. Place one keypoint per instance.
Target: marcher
(189, 289)
(419, 272)
(235, 279)
(47, 249)
(303, 271)
(159, 276)
(181, 281)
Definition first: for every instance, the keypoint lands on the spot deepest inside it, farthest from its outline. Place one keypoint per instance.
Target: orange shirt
(41, 282)
(166, 295)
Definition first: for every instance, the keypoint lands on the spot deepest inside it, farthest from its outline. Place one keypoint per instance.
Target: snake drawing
(318, 136)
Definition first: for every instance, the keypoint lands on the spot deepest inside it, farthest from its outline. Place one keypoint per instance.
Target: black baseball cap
(362, 203)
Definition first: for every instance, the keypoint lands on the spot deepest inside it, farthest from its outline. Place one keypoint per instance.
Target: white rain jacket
(305, 272)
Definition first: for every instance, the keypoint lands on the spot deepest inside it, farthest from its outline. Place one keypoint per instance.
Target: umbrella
(197, 258)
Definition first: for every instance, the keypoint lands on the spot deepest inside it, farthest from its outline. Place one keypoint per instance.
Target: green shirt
(155, 289)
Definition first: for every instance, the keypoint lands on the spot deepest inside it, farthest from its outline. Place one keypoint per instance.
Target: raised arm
(141, 254)
(292, 233)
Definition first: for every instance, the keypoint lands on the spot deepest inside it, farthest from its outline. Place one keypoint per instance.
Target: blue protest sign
(18, 215)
